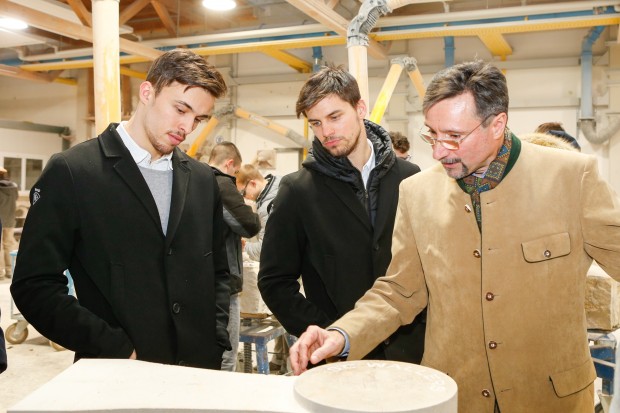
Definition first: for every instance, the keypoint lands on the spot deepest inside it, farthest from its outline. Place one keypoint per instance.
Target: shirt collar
(140, 155)
(369, 165)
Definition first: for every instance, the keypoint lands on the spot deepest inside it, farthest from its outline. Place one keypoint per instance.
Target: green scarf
(498, 169)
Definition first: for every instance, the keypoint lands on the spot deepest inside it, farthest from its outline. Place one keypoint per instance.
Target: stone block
(602, 301)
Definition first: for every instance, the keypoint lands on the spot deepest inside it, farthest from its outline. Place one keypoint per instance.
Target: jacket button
(376, 247)
(176, 308)
(181, 363)
(467, 209)
(486, 393)
(477, 253)
(492, 345)
(490, 296)
(547, 253)
(386, 342)
(170, 251)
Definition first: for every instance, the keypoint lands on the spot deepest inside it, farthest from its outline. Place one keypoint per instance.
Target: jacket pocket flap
(573, 380)
(546, 248)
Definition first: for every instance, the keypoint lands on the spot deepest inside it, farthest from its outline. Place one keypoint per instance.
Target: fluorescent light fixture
(12, 24)
(219, 5)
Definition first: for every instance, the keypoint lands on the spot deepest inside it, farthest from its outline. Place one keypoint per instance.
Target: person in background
(331, 222)
(262, 190)
(497, 239)
(3, 361)
(556, 129)
(139, 225)
(8, 202)
(401, 145)
(240, 221)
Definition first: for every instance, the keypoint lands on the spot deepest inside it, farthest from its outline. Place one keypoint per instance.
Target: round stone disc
(375, 386)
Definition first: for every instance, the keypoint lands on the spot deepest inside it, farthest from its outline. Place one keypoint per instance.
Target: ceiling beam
(16, 72)
(164, 16)
(320, 12)
(80, 10)
(497, 44)
(290, 59)
(59, 26)
(131, 10)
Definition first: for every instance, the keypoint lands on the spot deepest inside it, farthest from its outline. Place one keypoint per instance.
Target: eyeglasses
(452, 142)
(242, 192)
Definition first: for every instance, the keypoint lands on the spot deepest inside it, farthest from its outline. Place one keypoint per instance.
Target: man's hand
(133, 356)
(314, 345)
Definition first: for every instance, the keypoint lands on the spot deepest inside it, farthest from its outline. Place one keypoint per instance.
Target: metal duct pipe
(357, 38)
(317, 55)
(587, 121)
(448, 48)
(62, 131)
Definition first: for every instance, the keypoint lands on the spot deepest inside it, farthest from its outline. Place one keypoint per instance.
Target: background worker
(401, 145)
(240, 221)
(497, 239)
(139, 225)
(262, 190)
(8, 203)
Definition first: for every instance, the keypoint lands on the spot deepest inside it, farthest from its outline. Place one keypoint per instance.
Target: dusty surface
(31, 363)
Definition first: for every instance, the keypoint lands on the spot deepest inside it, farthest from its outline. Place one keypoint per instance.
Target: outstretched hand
(314, 345)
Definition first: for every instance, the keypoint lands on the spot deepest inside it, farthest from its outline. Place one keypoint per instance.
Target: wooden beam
(320, 12)
(55, 25)
(80, 10)
(16, 72)
(131, 10)
(164, 16)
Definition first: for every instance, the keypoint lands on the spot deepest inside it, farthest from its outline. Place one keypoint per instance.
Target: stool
(259, 329)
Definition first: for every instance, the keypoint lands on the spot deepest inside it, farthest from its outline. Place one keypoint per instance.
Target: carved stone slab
(376, 386)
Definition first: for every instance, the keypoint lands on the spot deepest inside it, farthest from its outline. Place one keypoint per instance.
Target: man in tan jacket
(496, 239)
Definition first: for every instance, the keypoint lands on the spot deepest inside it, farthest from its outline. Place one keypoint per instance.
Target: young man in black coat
(139, 225)
(332, 221)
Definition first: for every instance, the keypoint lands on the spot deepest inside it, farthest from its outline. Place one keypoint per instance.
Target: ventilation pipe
(448, 48)
(587, 122)
(357, 38)
(317, 56)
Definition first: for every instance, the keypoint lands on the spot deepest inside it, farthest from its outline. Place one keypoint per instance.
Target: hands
(133, 356)
(314, 345)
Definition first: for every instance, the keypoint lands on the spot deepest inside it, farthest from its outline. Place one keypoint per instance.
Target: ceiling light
(219, 5)
(12, 24)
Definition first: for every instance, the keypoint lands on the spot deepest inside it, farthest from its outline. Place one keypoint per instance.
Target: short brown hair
(400, 142)
(223, 151)
(248, 172)
(329, 80)
(485, 82)
(187, 68)
(546, 127)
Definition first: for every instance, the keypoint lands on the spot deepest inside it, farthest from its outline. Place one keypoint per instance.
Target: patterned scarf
(474, 185)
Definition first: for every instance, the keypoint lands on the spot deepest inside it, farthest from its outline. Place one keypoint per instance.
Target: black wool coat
(164, 296)
(320, 231)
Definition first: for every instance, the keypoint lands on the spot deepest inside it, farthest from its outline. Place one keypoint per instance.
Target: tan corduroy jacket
(506, 317)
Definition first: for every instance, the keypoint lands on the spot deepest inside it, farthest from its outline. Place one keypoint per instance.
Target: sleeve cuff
(347, 344)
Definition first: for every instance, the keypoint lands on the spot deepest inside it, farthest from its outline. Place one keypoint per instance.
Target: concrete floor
(31, 363)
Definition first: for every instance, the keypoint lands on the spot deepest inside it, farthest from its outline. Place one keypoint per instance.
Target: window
(22, 170)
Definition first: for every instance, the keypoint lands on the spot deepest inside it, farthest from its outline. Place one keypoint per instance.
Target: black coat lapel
(180, 181)
(344, 193)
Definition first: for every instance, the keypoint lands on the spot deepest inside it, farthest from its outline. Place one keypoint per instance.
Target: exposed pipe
(317, 55)
(62, 131)
(587, 121)
(448, 48)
